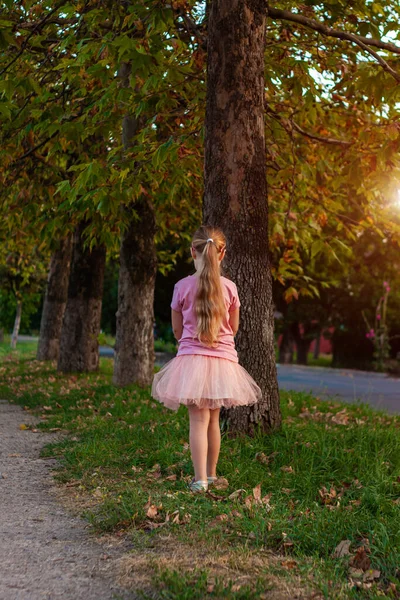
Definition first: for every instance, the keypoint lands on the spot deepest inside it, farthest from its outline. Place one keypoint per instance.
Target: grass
(332, 473)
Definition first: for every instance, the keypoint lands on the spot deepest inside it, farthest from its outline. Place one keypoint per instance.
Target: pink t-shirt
(183, 301)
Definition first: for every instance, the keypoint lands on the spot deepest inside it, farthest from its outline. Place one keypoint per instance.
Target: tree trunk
(54, 302)
(134, 343)
(317, 345)
(235, 196)
(79, 347)
(17, 323)
(303, 343)
(286, 348)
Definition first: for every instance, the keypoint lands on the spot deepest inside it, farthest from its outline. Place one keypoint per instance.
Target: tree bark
(317, 348)
(134, 343)
(79, 347)
(303, 342)
(17, 323)
(55, 302)
(235, 197)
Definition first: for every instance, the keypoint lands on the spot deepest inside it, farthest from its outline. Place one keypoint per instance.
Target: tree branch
(360, 40)
(319, 138)
(289, 125)
(38, 25)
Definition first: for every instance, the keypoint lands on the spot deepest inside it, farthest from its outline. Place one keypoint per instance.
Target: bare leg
(199, 419)
(214, 443)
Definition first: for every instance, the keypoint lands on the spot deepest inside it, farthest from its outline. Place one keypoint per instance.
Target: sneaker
(198, 486)
(212, 480)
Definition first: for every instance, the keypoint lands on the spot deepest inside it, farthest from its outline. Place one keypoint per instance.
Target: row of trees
(103, 106)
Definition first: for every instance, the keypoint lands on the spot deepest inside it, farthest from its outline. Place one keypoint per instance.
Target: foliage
(331, 119)
(23, 266)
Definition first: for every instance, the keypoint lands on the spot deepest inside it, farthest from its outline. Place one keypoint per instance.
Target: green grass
(331, 473)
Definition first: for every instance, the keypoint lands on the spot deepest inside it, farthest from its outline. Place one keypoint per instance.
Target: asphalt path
(349, 385)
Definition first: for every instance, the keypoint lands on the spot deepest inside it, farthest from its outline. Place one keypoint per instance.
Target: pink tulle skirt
(205, 381)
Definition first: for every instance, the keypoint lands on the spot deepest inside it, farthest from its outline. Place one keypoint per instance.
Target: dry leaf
(361, 559)
(221, 484)
(289, 564)
(171, 477)
(248, 501)
(218, 519)
(262, 458)
(287, 469)
(235, 495)
(23, 427)
(152, 511)
(356, 573)
(371, 574)
(342, 549)
(257, 494)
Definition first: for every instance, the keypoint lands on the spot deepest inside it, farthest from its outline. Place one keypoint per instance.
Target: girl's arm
(177, 324)
(234, 320)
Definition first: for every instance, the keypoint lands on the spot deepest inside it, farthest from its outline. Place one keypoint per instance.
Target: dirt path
(46, 553)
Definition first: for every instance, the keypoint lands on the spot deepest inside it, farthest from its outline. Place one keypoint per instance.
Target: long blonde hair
(209, 303)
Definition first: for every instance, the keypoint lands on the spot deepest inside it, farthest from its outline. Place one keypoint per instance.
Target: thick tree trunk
(286, 348)
(235, 196)
(317, 347)
(134, 345)
(79, 347)
(303, 343)
(54, 302)
(17, 323)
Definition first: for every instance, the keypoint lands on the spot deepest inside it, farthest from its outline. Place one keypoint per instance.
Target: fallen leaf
(287, 469)
(218, 519)
(221, 484)
(171, 477)
(289, 564)
(361, 559)
(23, 427)
(357, 573)
(266, 500)
(257, 494)
(262, 458)
(248, 501)
(152, 511)
(235, 495)
(371, 574)
(342, 549)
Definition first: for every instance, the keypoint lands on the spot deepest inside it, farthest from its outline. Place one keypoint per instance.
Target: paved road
(349, 385)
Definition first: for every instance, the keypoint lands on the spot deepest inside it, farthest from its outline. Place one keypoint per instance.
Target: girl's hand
(177, 324)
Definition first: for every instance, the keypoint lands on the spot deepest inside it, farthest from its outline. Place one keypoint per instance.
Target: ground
(45, 549)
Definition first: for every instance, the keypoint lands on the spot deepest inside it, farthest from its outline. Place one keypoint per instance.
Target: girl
(205, 374)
